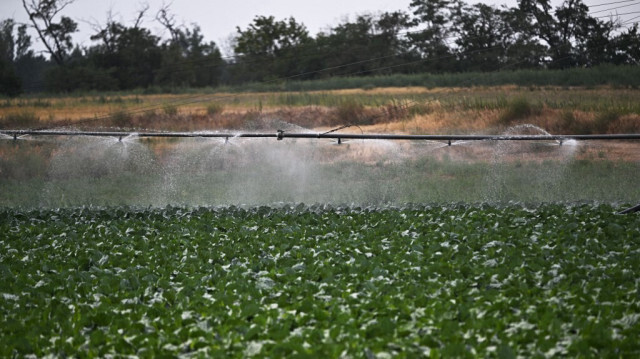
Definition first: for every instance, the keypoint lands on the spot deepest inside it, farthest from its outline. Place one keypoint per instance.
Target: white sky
(219, 18)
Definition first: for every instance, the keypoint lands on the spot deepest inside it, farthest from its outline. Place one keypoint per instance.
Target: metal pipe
(341, 136)
(633, 209)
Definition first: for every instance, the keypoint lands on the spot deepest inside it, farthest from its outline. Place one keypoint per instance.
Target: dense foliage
(458, 280)
(434, 36)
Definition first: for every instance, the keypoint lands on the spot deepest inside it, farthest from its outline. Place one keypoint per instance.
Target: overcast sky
(219, 18)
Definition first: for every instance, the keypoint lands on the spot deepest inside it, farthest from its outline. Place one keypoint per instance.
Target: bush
(215, 109)
(170, 110)
(398, 109)
(518, 109)
(604, 120)
(350, 112)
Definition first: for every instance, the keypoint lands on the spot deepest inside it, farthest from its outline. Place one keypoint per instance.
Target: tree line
(433, 36)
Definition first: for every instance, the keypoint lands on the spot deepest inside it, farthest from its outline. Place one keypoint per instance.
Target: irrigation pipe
(280, 135)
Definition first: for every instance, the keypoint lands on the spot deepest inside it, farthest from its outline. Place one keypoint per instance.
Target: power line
(631, 20)
(609, 3)
(618, 15)
(614, 8)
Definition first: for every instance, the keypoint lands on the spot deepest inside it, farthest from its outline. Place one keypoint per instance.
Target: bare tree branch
(144, 7)
(167, 19)
(54, 36)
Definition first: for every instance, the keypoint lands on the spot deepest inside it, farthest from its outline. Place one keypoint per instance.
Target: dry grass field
(413, 110)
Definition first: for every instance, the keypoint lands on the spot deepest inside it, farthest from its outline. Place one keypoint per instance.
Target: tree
(131, 54)
(481, 37)
(13, 49)
(392, 46)
(372, 44)
(434, 17)
(55, 36)
(187, 60)
(625, 47)
(349, 47)
(572, 36)
(522, 50)
(269, 48)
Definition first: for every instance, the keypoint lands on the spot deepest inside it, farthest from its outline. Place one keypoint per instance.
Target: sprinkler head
(280, 135)
(226, 140)
(339, 140)
(449, 142)
(120, 139)
(561, 140)
(15, 136)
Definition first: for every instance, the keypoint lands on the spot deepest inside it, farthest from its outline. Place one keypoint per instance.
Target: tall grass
(619, 76)
(20, 120)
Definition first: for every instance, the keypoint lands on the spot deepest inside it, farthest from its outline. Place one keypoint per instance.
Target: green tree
(434, 17)
(132, 55)
(12, 50)
(269, 49)
(372, 44)
(349, 43)
(572, 36)
(482, 36)
(625, 47)
(187, 60)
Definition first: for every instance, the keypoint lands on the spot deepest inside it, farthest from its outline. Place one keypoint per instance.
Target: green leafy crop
(452, 281)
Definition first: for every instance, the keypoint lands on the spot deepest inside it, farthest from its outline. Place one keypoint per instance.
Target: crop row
(463, 280)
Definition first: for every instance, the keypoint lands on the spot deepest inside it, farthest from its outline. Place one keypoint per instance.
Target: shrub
(215, 109)
(568, 122)
(397, 109)
(170, 110)
(517, 109)
(604, 120)
(350, 112)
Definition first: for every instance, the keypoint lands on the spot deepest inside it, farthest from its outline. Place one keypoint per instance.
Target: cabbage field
(321, 281)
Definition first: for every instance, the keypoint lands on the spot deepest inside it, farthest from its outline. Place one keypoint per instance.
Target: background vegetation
(435, 37)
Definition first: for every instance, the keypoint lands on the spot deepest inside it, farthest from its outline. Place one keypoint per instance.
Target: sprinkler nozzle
(280, 135)
(339, 140)
(226, 140)
(449, 142)
(561, 140)
(120, 139)
(15, 136)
